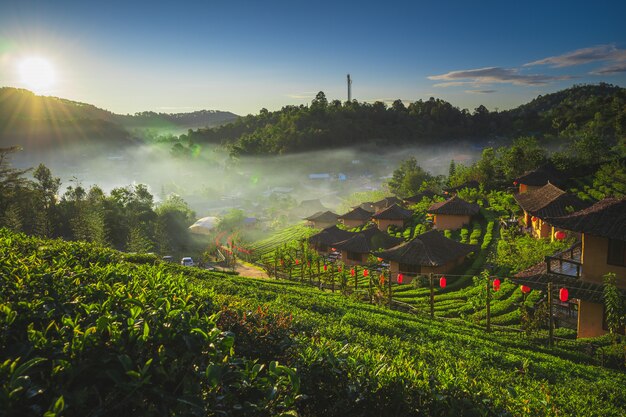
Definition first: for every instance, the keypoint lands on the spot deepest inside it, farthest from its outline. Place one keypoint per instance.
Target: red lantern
(442, 282)
(400, 278)
(352, 272)
(534, 219)
(525, 289)
(297, 261)
(382, 280)
(308, 263)
(366, 272)
(560, 235)
(563, 294)
(325, 267)
(496, 284)
(338, 269)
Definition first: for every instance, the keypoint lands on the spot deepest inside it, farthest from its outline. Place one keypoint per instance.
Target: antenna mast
(349, 88)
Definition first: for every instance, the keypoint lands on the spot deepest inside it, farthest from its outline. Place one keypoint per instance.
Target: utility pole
(349, 88)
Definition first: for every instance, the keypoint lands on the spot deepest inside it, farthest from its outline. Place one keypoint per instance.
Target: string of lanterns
(496, 283)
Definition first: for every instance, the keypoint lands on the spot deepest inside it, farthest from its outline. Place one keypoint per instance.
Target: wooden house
(356, 249)
(308, 208)
(535, 179)
(581, 268)
(385, 203)
(473, 184)
(430, 252)
(547, 201)
(355, 218)
(392, 215)
(453, 213)
(322, 220)
(324, 240)
(417, 198)
(367, 206)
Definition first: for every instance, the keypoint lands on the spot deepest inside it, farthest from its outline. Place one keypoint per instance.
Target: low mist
(212, 182)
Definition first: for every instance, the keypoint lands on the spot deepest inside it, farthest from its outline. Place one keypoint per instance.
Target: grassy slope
(448, 360)
(358, 359)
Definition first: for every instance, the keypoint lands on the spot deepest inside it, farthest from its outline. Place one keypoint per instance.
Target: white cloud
(492, 75)
(599, 53)
(480, 91)
(611, 69)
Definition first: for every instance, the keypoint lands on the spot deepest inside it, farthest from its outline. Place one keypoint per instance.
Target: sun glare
(37, 74)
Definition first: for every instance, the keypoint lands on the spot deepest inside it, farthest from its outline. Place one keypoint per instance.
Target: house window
(617, 253)
(353, 256)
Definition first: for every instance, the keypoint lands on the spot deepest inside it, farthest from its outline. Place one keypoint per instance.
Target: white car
(186, 261)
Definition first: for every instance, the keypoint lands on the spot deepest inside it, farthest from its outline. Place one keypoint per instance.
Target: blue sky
(242, 56)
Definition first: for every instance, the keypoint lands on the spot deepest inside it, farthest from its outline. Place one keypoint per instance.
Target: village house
(324, 240)
(385, 203)
(473, 185)
(535, 179)
(356, 249)
(367, 206)
(356, 217)
(581, 268)
(547, 201)
(417, 198)
(322, 220)
(308, 208)
(392, 215)
(453, 213)
(430, 252)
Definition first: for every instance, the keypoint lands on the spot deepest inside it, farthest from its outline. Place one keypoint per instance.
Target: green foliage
(610, 179)
(518, 252)
(408, 178)
(329, 125)
(153, 331)
(614, 305)
(524, 154)
(288, 236)
(82, 333)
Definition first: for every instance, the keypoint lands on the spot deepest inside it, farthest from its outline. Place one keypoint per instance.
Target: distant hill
(323, 124)
(38, 122)
(192, 120)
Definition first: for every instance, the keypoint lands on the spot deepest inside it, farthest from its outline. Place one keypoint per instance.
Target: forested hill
(600, 108)
(38, 122)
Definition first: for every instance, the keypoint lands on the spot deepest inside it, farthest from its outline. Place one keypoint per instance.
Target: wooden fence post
(488, 305)
(390, 299)
(319, 274)
(432, 296)
(551, 318)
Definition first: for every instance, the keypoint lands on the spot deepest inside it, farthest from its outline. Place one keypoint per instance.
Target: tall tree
(408, 178)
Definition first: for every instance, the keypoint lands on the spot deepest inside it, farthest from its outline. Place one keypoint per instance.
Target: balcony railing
(567, 262)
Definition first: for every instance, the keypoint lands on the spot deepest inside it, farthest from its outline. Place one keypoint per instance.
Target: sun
(37, 74)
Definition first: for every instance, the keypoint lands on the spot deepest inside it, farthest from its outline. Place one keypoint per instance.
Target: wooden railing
(567, 262)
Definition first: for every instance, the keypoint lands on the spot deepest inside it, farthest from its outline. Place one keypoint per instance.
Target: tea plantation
(86, 331)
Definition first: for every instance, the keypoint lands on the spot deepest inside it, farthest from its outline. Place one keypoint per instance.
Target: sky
(242, 56)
